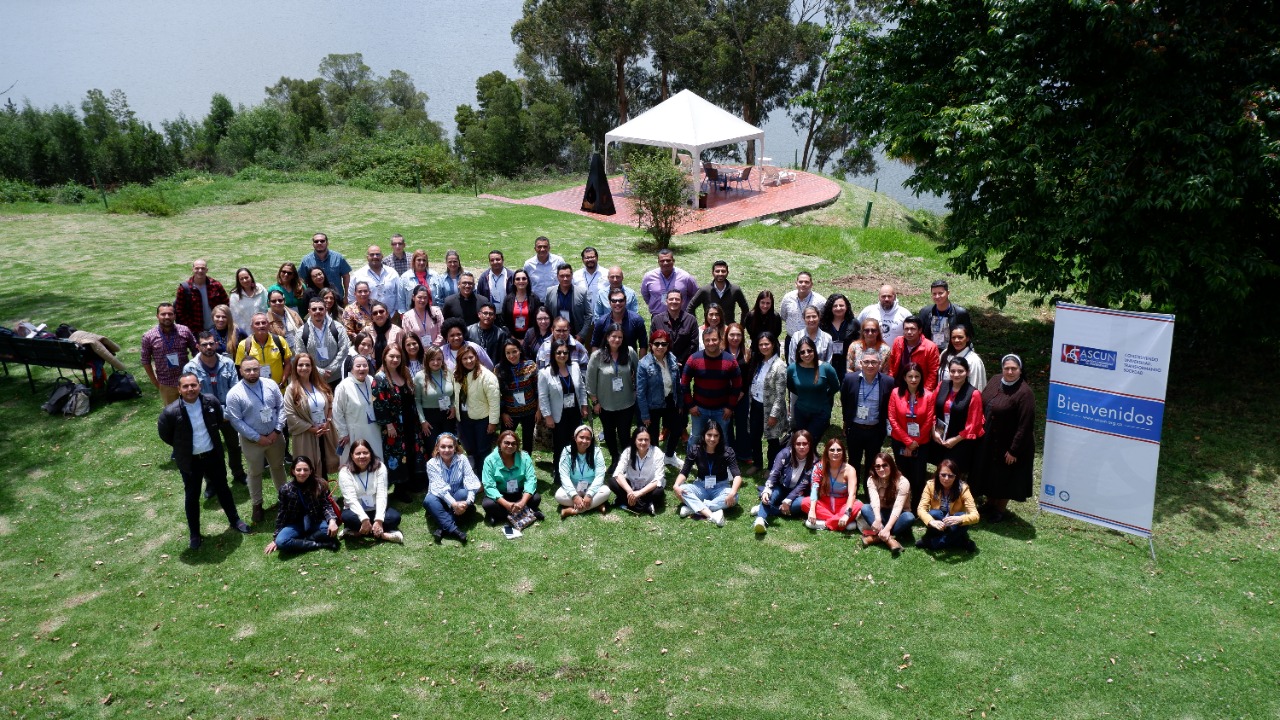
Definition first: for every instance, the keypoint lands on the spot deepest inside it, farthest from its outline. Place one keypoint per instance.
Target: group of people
(402, 380)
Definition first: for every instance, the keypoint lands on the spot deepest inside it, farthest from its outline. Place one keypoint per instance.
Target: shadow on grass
(1014, 527)
(215, 550)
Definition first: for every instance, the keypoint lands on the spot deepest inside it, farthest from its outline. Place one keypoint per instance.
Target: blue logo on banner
(1129, 417)
(1050, 490)
(1089, 357)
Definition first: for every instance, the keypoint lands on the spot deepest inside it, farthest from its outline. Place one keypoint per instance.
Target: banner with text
(1106, 409)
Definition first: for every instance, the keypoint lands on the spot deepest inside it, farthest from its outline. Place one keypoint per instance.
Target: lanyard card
(709, 482)
(513, 486)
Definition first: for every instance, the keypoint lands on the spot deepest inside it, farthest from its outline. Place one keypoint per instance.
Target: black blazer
(175, 428)
(850, 393)
(468, 310)
(507, 318)
(484, 287)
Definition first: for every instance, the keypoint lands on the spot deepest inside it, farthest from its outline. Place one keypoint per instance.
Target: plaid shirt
(294, 506)
(156, 347)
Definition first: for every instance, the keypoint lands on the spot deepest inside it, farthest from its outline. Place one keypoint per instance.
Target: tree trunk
(620, 79)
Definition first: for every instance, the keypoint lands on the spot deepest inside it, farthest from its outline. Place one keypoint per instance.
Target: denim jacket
(649, 388)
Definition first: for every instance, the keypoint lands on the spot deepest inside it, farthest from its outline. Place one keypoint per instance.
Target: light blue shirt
(200, 440)
(602, 306)
(217, 382)
(256, 410)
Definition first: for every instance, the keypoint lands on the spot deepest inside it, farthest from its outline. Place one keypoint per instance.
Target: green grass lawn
(107, 614)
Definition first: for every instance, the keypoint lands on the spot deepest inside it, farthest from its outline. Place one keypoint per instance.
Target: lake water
(170, 56)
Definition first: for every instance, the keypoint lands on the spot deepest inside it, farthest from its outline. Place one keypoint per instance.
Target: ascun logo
(1089, 357)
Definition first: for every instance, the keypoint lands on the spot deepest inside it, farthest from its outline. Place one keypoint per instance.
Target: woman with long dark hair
(709, 481)
(639, 482)
(396, 412)
(815, 385)
(288, 282)
(658, 397)
(538, 332)
(249, 298)
(788, 482)
(582, 472)
(364, 491)
(520, 308)
(767, 389)
(433, 394)
(947, 510)
(961, 346)
(305, 519)
(518, 384)
(479, 404)
(958, 421)
(611, 386)
(887, 516)
(763, 317)
(308, 416)
(562, 399)
(911, 426)
(831, 502)
(841, 324)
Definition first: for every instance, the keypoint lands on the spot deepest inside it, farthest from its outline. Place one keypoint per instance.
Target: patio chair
(743, 177)
(772, 175)
(713, 175)
(626, 179)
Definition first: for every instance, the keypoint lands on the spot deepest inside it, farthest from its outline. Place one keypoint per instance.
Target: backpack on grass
(77, 404)
(122, 386)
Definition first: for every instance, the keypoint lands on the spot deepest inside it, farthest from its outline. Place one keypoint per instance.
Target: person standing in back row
(656, 283)
(888, 312)
(336, 268)
(938, 320)
(721, 292)
(542, 267)
(197, 297)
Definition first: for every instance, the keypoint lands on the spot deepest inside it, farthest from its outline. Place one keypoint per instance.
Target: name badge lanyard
(265, 414)
(863, 410)
(438, 385)
(364, 393)
(315, 405)
(171, 346)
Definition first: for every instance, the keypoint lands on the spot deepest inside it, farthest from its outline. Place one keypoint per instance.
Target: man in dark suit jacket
(864, 397)
(466, 303)
(721, 292)
(680, 325)
(190, 424)
(568, 299)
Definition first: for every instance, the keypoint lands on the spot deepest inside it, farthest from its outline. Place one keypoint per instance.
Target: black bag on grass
(122, 386)
(62, 390)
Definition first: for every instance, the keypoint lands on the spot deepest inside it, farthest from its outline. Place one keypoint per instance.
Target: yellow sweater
(930, 502)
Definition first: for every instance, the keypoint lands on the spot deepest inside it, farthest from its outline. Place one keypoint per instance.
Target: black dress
(1010, 412)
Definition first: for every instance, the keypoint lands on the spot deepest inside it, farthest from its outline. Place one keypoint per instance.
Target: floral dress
(393, 405)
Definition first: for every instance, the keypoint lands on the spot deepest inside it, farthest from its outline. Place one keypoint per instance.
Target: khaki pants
(254, 455)
(167, 394)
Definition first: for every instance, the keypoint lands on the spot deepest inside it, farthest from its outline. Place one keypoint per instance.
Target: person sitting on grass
(509, 483)
(831, 502)
(305, 519)
(452, 489)
(887, 516)
(714, 479)
(947, 509)
(788, 482)
(639, 482)
(364, 489)
(582, 470)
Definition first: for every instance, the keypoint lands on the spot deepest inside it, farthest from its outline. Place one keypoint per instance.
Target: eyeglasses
(277, 301)
(561, 353)
(374, 255)
(209, 344)
(287, 273)
(658, 343)
(871, 331)
(946, 475)
(617, 301)
(879, 466)
(319, 242)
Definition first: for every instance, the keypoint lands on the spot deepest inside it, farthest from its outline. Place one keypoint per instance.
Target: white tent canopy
(685, 122)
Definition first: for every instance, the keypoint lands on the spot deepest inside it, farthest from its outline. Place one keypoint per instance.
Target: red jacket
(187, 306)
(898, 408)
(926, 356)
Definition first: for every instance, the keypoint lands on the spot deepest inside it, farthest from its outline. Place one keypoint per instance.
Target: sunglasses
(658, 343)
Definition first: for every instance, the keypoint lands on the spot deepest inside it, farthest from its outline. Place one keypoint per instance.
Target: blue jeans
(700, 425)
(774, 508)
(290, 538)
(699, 498)
(440, 510)
(900, 526)
(956, 536)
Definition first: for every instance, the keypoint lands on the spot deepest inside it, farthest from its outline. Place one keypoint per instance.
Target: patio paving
(725, 208)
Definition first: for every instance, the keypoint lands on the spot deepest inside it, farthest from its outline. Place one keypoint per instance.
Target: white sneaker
(674, 461)
(394, 536)
(812, 524)
(755, 509)
(717, 517)
(760, 526)
(600, 437)
(685, 511)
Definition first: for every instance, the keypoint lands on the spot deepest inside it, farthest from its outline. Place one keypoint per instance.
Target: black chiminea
(597, 199)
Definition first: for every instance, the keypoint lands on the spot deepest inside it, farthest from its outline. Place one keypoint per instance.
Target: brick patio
(725, 208)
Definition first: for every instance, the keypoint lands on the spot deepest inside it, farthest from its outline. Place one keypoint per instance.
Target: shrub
(138, 200)
(660, 190)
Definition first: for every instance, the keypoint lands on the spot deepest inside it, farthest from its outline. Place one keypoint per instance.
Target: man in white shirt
(496, 283)
(888, 312)
(794, 303)
(542, 267)
(589, 275)
(384, 282)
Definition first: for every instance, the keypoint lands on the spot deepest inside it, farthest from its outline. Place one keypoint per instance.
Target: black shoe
(240, 526)
(195, 542)
(208, 493)
(920, 543)
(970, 546)
(240, 479)
(537, 515)
(462, 536)
(437, 535)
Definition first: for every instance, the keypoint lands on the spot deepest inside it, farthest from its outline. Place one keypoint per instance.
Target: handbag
(522, 519)
(122, 386)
